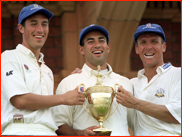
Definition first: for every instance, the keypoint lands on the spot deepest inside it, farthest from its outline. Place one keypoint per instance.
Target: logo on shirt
(26, 67)
(9, 73)
(160, 93)
(18, 118)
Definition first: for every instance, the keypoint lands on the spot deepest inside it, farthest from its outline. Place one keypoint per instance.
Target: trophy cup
(100, 99)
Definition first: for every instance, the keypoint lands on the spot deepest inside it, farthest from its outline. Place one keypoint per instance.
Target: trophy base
(103, 131)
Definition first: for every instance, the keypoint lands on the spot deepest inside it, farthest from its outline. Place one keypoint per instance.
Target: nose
(39, 29)
(148, 45)
(97, 44)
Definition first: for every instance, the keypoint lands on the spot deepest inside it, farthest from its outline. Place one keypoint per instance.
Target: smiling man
(27, 83)
(74, 120)
(157, 89)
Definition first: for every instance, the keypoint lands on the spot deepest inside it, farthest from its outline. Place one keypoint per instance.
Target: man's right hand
(89, 131)
(68, 131)
(74, 97)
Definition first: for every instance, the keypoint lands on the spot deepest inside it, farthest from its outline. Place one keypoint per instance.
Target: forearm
(31, 101)
(67, 130)
(157, 111)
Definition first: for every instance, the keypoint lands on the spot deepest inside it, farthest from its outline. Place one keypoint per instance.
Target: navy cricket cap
(92, 28)
(155, 28)
(31, 9)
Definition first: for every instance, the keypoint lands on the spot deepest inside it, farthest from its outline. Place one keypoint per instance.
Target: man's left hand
(125, 98)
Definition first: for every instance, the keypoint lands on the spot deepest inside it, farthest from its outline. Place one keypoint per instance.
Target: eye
(142, 42)
(154, 41)
(33, 24)
(90, 41)
(102, 40)
(44, 24)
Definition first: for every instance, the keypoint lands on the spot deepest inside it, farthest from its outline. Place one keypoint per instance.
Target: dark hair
(23, 22)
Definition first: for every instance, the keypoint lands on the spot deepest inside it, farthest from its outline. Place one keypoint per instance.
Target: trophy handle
(114, 94)
(84, 93)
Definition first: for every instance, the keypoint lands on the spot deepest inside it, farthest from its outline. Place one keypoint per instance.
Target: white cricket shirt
(163, 89)
(77, 117)
(21, 74)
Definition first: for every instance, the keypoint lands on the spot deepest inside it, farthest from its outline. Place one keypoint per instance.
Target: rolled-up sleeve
(63, 113)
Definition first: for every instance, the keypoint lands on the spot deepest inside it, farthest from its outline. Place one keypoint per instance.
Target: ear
(164, 47)
(108, 47)
(20, 28)
(136, 49)
(81, 49)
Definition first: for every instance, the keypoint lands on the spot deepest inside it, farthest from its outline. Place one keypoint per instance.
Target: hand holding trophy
(100, 99)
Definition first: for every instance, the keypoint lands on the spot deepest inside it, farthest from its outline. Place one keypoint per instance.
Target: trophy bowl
(100, 99)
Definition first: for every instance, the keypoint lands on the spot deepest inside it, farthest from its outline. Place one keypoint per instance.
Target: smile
(39, 37)
(97, 52)
(149, 55)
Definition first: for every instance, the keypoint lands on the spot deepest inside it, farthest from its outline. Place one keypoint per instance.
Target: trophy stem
(102, 131)
(101, 124)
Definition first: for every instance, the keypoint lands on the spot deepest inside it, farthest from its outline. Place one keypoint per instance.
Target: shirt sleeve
(174, 105)
(12, 80)
(63, 113)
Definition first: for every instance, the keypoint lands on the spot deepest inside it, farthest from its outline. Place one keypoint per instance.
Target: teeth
(38, 36)
(97, 52)
(149, 55)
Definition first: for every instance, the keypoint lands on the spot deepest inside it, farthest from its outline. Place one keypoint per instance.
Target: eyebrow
(90, 39)
(93, 38)
(37, 21)
(102, 38)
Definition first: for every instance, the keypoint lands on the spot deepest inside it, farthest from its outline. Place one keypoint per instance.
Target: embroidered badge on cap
(36, 6)
(160, 93)
(148, 25)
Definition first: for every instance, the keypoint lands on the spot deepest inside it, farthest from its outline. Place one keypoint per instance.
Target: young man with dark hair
(27, 83)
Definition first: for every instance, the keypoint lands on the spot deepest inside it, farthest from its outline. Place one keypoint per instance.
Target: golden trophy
(100, 99)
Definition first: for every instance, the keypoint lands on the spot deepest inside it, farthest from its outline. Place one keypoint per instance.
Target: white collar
(88, 72)
(29, 53)
(159, 70)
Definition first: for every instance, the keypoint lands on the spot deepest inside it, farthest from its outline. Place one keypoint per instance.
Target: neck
(150, 72)
(36, 51)
(104, 66)
(37, 54)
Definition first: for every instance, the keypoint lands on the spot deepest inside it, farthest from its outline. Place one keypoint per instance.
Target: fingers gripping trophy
(100, 99)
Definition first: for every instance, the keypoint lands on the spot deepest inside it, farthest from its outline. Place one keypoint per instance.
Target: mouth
(149, 55)
(97, 52)
(39, 37)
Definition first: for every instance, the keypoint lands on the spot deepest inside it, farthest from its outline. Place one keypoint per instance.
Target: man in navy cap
(157, 88)
(74, 120)
(27, 83)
